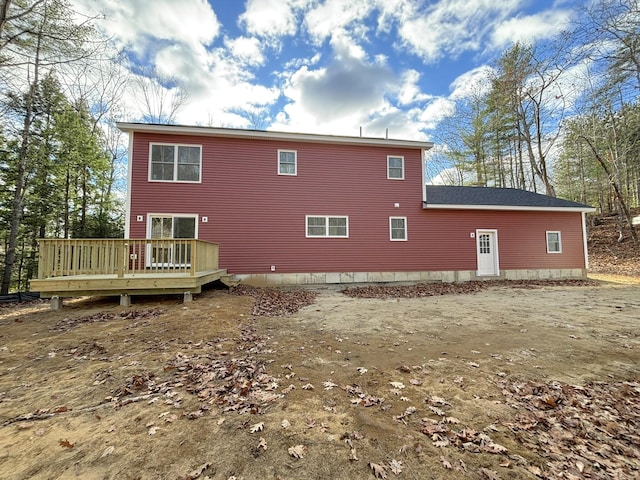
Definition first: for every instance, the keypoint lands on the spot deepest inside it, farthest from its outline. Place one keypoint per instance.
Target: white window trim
(175, 162)
(172, 215)
(326, 217)
(559, 241)
(150, 216)
(389, 157)
(295, 163)
(406, 229)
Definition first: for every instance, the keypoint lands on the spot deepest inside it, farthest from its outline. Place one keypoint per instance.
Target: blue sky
(329, 66)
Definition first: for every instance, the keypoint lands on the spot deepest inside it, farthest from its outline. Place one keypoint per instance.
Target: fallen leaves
(258, 427)
(466, 439)
(274, 302)
(70, 323)
(262, 444)
(298, 451)
(239, 383)
(196, 472)
(588, 431)
(379, 471)
(65, 443)
(396, 466)
(431, 289)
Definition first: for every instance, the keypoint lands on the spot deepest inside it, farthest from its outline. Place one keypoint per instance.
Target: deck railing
(65, 257)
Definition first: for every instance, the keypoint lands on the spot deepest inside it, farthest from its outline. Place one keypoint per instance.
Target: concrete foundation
(277, 279)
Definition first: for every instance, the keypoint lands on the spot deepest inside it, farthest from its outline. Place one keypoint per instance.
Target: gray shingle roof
(442, 196)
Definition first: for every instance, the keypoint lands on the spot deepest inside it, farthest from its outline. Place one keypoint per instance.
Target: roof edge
(270, 135)
(427, 206)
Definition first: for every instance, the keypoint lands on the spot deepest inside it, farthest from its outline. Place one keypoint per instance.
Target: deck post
(55, 303)
(124, 258)
(187, 297)
(125, 300)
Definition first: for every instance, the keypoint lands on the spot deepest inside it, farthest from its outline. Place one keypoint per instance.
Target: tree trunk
(18, 196)
(616, 188)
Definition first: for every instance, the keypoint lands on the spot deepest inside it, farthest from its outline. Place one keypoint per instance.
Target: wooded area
(61, 155)
(557, 117)
(560, 117)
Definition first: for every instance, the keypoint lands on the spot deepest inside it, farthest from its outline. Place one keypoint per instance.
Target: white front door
(487, 249)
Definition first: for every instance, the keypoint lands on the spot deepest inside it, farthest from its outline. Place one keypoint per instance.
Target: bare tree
(159, 97)
(39, 37)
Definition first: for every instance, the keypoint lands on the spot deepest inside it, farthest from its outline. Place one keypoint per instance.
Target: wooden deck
(69, 268)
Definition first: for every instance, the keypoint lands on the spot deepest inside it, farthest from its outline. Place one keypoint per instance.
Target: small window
(328, 227)
(554, 243)
(398, 229)
(287, 162)
(395, 168)
(175, 163)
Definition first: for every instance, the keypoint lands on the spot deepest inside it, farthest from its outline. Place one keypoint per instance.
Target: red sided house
(288, 208)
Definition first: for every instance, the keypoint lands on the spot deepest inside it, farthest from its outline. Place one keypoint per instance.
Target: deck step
(230, 280)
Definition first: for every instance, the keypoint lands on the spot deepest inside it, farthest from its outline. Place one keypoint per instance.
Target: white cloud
(437, 111)
(410, 90)
(175, 40)
(473, 83)
(530, 28)
(448, 176)
(334, 15)
(135, 23)
(344, 88)
(270, 18)
(246, 50)
(450, 27)
(351, 92)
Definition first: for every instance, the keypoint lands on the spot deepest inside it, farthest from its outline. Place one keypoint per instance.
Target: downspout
(584, 240)
(423, 163)
(127, 215)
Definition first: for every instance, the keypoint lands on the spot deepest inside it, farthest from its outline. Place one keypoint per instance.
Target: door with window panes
(487, 252)
(169, 227)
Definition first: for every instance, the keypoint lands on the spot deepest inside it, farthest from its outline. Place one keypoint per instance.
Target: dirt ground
(510, 382)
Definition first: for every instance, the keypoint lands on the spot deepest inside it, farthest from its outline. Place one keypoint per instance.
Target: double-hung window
(554, 242)
(395, 168)
(327, 227)
(287, 162)
(175, 163)
(398, 229)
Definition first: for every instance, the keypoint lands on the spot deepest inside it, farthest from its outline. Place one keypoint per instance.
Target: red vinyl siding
(521, 238)
(258, 217)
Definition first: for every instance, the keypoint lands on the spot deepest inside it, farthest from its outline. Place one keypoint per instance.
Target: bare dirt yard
(492, 381)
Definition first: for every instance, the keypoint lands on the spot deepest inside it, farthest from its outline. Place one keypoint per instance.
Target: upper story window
(398, 228)
(329, 227)
(554, 242)
(175, 163)
(395, 168)
(287, 162)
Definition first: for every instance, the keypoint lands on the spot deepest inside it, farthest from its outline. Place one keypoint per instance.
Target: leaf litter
(211, 377)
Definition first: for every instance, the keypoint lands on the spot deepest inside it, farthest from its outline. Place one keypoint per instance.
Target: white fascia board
(507, 207)
(127, 213)
(270, 135)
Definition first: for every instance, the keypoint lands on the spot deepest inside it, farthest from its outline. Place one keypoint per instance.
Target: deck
(125, 267)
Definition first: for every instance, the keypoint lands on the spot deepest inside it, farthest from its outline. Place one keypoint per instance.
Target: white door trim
(490, 265)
